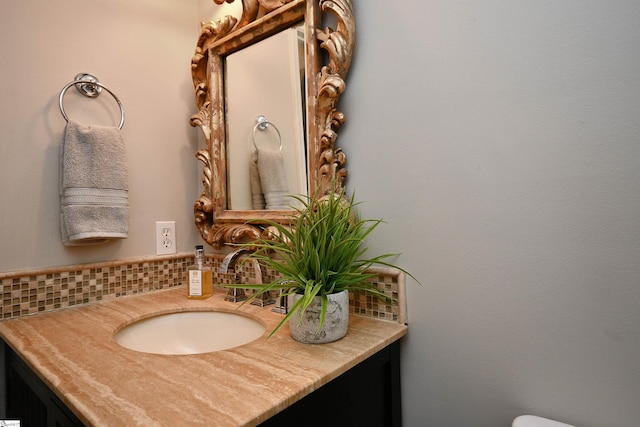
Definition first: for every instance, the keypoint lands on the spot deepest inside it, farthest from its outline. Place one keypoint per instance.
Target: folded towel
(94, 204)
(257, 198)
(273, 178)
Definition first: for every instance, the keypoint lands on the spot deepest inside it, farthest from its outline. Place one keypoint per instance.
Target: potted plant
(319, 258)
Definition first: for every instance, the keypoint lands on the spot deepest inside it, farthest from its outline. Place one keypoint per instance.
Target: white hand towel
(257, 198)
(94, 204)
(273, 179)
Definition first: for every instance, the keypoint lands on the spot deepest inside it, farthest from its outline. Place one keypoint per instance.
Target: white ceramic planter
(335, 325)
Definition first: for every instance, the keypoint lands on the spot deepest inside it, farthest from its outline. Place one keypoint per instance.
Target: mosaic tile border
(392, 283)
(30, 292)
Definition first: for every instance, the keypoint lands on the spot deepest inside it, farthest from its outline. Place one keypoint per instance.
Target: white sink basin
(189, 332)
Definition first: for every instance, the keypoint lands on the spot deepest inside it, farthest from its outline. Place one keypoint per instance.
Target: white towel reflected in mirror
(269, 186)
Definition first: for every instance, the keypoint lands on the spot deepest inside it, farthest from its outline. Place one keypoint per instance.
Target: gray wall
(141, 50)
(498, 139)
(501, 142)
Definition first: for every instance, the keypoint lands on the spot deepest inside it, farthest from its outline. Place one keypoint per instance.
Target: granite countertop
(74, 352)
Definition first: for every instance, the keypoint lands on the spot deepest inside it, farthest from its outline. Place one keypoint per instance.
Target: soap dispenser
(200, 277)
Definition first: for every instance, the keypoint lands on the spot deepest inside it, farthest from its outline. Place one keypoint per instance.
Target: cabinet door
(366, 395)
(30, 400)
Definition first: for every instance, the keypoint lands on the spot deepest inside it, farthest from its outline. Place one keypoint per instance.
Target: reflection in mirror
(266, 163)
(224, 212)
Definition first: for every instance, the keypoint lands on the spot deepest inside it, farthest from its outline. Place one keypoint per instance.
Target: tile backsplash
(29, 292)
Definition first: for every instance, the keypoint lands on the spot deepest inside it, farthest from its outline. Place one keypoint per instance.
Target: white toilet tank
(533, 421)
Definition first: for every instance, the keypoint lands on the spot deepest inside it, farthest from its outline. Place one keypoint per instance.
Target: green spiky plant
(321, 253)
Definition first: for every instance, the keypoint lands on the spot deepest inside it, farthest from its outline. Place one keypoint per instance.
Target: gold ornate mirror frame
(325, 82)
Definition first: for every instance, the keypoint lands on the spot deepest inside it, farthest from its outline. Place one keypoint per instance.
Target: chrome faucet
(230, 261)
(238, 294)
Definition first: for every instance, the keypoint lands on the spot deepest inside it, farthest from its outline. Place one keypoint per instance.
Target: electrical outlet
(165, 237)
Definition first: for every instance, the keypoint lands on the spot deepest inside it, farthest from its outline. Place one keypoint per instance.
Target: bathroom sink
(189, 332)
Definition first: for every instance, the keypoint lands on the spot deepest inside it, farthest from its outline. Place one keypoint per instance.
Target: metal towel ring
(262, 124)
(89, 86)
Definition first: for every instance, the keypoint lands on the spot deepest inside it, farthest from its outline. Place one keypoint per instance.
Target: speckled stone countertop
(74, 352)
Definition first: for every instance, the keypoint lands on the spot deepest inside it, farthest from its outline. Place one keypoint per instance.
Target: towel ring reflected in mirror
(89, 86)
(327, 54)
(262, 125)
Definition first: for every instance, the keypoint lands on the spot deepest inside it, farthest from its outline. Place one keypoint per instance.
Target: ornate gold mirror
(231, 130)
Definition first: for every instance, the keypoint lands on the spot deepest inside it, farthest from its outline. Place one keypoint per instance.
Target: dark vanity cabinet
(28, 399)
(366, 395)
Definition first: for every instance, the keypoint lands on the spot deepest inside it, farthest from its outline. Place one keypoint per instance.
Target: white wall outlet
(165, 237)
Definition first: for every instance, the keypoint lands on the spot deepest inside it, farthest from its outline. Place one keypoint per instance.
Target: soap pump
(200, 284)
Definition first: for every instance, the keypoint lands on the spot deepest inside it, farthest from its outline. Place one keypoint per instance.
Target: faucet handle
(264, 298)
(235, 295)
(281, 303)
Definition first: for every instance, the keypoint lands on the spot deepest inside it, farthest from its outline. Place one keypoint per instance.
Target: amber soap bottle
(200, 284)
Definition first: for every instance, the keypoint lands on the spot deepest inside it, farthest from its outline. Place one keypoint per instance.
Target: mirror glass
(267, 159)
